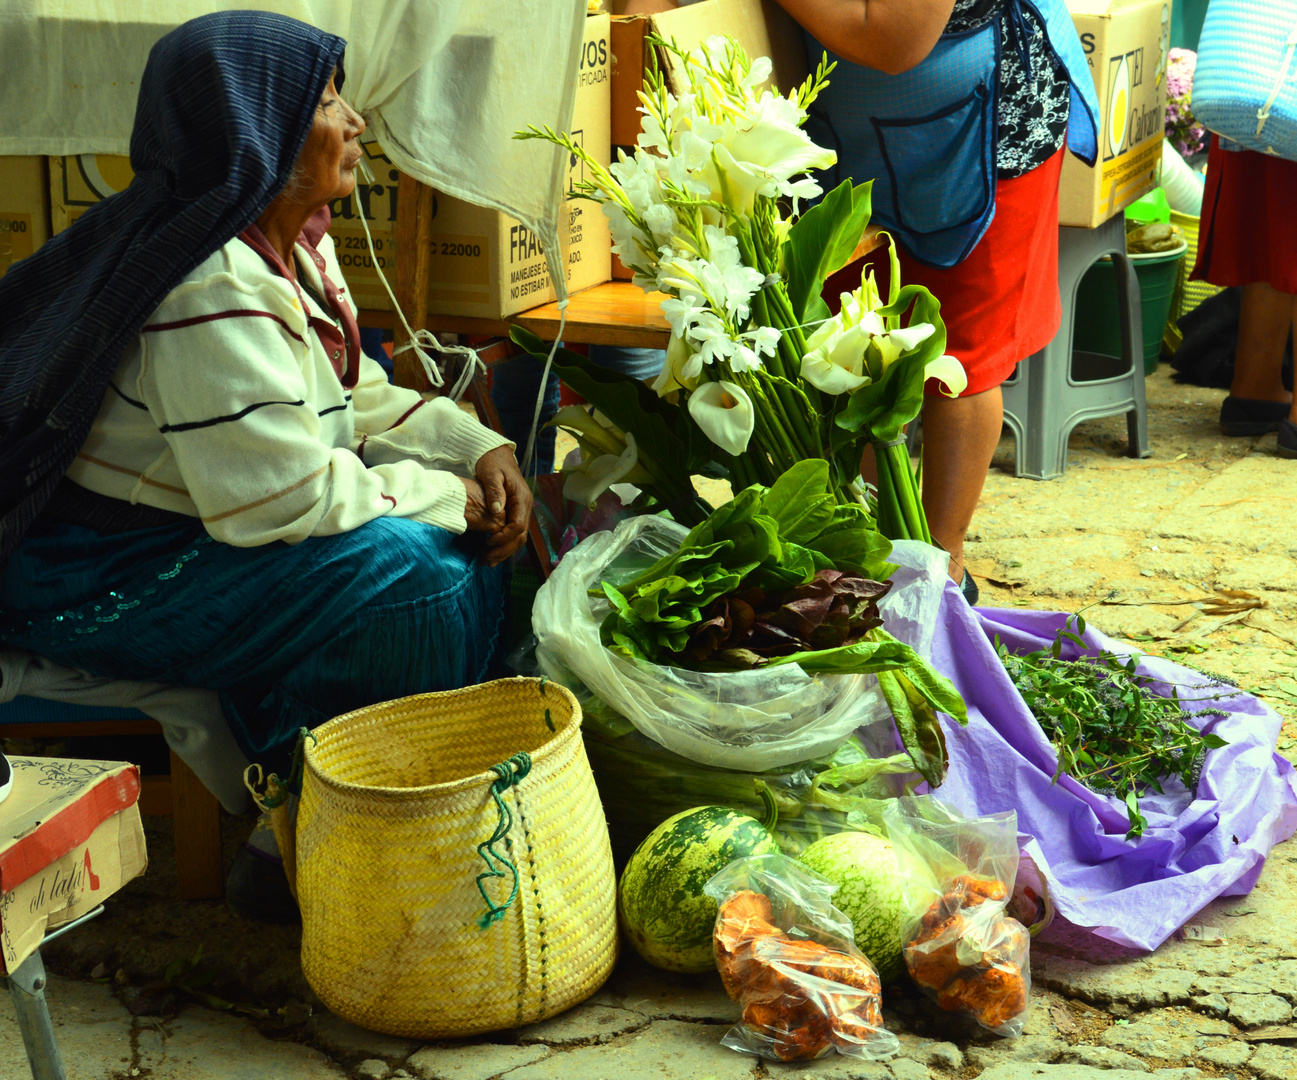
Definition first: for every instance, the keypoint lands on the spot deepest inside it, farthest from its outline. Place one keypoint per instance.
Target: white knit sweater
(227, 408)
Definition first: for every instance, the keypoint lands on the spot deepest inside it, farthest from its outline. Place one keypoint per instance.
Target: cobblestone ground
(1145, 539)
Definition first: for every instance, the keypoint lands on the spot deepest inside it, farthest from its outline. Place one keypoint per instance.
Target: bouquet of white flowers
(759, 373)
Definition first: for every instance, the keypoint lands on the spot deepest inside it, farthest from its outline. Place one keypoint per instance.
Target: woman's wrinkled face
(326, 166)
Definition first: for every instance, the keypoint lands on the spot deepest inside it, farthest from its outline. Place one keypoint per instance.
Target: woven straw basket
(397, 799)
(1188, 294)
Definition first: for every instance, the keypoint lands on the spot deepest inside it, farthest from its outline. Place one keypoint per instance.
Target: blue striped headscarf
(225, 105)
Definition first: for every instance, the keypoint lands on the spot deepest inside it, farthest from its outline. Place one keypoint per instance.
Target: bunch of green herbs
(781, 575)
(1111, 731)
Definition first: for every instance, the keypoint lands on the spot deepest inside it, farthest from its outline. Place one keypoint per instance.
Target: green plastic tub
(1098, 328)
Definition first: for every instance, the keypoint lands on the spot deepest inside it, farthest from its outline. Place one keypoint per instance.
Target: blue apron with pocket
(927, 137)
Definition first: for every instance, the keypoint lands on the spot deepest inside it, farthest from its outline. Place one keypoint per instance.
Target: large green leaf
(666, 434)
(799, 501)
(822, 242)
(863, 658)
(863, 550)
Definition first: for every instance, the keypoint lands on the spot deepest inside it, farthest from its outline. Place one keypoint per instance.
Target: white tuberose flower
(724, 412)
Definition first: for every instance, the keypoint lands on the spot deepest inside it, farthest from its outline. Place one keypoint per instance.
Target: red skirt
(1248, 230)
(1000, 305)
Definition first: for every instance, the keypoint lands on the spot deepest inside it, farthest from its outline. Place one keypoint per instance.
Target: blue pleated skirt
(290, 635)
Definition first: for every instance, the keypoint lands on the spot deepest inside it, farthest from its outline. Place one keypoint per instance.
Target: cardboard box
(1126, 43)
(484, 264)
(488, 265)
(24, 208)
(77, 183)
(70, 837)
(762, 27)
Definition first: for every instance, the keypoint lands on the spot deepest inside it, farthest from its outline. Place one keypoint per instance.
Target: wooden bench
(195, 814)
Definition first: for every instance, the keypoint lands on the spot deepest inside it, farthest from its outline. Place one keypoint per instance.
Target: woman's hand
(498, 504)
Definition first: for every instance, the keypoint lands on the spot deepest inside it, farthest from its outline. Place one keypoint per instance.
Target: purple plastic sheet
(1194, 848)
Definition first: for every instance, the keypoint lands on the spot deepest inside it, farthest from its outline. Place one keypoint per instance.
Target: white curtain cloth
(443, 83)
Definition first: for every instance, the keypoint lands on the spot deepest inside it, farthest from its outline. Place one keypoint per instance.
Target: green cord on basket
(507, 774)
(272, 801)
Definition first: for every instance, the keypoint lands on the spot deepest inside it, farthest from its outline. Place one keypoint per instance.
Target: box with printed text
(1126, 43)
(70, 837)
(24, 208)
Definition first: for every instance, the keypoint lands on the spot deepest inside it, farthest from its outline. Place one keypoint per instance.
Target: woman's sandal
(1249, 416)
(1288, 439)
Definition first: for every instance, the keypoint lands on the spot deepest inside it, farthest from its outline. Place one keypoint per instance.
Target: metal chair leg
(27, 987)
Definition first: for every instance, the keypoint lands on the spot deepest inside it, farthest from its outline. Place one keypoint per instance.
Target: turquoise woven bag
(1245, 84)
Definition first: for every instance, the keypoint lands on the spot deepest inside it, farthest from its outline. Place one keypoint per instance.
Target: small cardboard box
(762, 27)
(1126, 43)
(24, 208)
(484, 264)
(70, 837)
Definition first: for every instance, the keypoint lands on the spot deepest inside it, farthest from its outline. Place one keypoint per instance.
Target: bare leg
(959, 439)
(1265, 317)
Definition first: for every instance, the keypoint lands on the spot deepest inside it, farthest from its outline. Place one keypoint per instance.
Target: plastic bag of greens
(746, 720)
(641, 783)
(787, 955)
(957, 877)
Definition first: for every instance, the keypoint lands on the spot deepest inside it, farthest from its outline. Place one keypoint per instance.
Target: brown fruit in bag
(800, 998)
(744, 918)
(933, 965)
(993, 996)
(794, 1027)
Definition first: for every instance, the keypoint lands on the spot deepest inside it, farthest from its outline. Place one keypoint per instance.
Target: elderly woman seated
(205, 481)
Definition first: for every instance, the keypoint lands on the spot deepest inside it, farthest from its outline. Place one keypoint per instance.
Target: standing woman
(958, 110)
(1248, 237)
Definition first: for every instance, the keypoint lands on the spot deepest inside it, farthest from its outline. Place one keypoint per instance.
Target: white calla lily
(587, 430)
(893, 344)
(587, 481)
(672, 376)
(776, 147)
(724, 412)
(950, 373)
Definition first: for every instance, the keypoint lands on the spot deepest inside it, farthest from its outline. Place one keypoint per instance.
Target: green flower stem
(773, 439)
(900, 507)
(791, 415)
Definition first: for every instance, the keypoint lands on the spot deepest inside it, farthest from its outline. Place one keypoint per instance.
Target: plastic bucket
(1098, 326)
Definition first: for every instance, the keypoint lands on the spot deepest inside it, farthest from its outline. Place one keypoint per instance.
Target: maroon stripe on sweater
(407, 414)
(235, 313)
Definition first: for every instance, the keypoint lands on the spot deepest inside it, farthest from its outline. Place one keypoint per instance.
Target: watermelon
(660, 900)
(864, 869)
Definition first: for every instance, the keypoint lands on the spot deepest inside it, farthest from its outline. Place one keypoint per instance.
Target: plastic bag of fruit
(787, 955)
(957, 877)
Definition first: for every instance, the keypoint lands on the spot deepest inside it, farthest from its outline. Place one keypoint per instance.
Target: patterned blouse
(1032, 113)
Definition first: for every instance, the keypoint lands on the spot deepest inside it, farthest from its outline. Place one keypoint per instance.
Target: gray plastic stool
(1055, 389)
